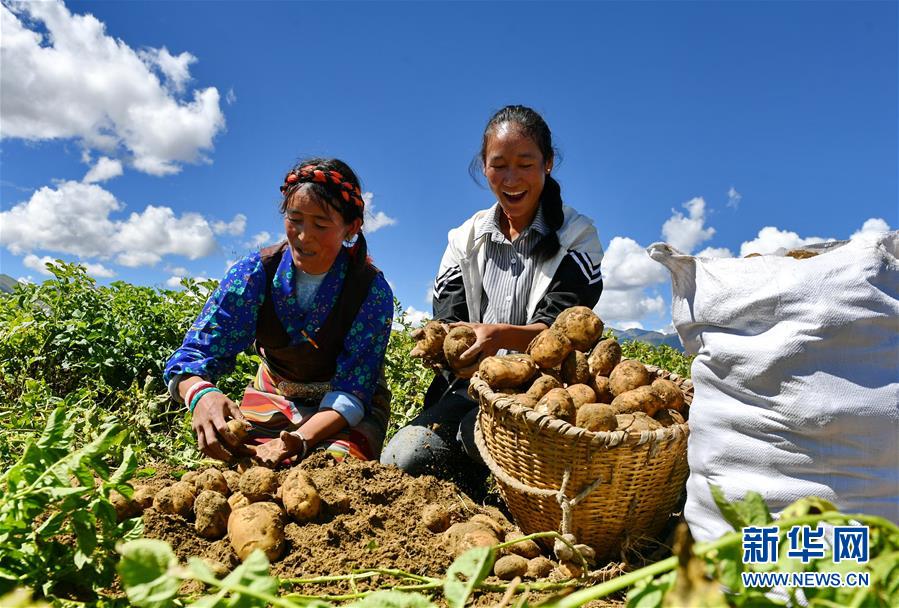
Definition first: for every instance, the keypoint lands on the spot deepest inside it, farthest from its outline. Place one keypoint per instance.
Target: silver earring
(351, 241)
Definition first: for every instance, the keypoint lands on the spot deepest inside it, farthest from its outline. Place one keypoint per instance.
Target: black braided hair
(330, 193)
(532, 125)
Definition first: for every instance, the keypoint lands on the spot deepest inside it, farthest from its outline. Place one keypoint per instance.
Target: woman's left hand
(276, 451)
(488, 340)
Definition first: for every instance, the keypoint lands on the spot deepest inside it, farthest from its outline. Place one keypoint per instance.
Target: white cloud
(429, 295)
(374, 221)
(230, 97)
(235, 227)
(416, 317)
(733, 198)
(105, 169)
(620, 306)
(715, 252)
(173, 281)
(29, 280)
(40, 265)
(260, 239)
(630, 325)
(74, 218)
(179, 270)
(685, 233)
(627, 265)
(770, 239)
(67, 78)
(873, 226)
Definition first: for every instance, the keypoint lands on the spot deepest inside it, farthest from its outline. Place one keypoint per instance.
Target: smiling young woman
(507, 272)
(295, 303)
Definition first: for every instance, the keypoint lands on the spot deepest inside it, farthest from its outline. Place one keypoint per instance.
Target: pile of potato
(250, 507)
(570, 373)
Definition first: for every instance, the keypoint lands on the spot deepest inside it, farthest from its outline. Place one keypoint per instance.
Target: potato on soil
(575, 369)
(300, 496)
(458, 340)
(177, 499)
(605, 356)
(232, 478)
(603, 390)
(581, 394)
(627, 376)
(238, 500)
(212, 479)
(239, 429)
(558, 403)
(429, 341)
(258, 484)
(671, 395)
(636, 422)
(461, 537)
(435, 518)
(596, 417)
(549, 348)
(125, 508)
(509, 566)
(143, 497)
(580, 325)
(568, 570)
(526, 548)
(212, 511)
(641, 399)
(542, 385)
(257, 526)
(539, 567)
(668, 417)
(190, 477)
(507, 371)
(488, 522)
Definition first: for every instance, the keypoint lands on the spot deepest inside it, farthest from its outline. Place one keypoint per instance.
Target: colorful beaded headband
(318, 175)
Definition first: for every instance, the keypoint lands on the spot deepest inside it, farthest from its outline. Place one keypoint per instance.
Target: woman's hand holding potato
(210, 423)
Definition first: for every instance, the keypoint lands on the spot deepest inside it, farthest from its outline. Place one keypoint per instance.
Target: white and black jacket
(572, 277)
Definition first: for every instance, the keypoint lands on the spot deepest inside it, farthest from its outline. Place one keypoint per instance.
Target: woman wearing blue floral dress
(318, 314)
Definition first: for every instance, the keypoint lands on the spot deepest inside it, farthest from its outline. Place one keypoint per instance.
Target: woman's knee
(416, 450)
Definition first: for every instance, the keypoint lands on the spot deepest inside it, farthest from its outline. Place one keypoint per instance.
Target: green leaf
(253, 573)
(649, 594)
(807, 506)
(146, 572)
(728, 509)
(467, 572)
(754, 510)
(393, 599)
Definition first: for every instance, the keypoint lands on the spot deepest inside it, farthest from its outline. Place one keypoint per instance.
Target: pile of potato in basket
(569, 372)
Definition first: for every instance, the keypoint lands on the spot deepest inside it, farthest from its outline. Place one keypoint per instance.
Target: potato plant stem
(583, 562)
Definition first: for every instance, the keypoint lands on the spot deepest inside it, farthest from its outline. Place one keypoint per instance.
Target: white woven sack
(796, 376)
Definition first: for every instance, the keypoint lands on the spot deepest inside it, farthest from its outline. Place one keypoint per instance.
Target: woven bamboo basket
(610, 489)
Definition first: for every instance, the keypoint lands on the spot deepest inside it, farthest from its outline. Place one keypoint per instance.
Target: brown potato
(596, 417)
(670, 394)
(212, 511)
(232, 478)
(239, 429)
(509, 566)
(238, 500)
(461, 537)
(526, 548)
(458, 340)
(575, 369)
(549, 348)
(212, 479)
(507, 371)
(258, 484)
(125, 508)
(603, 389)
(605, 356)
(300, 496)
(190, 477)
(435, 518)
(177, 499)
(143, 497)
(525, 400)
(627, 376)
(580, 325)
(539, 567)
(668, 417)
(581, 394)
(488, 522)
(257, 526)
(542, 385)
(429, 341)
(641, 399)
(636, 422)
(558, 403)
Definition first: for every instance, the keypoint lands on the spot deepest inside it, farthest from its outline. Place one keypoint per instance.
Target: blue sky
(148, 139)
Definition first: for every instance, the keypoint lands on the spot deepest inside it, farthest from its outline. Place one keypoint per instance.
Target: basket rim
(505, 403)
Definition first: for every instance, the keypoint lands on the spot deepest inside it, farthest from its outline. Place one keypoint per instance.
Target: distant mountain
(650, 337)
(7, 283)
